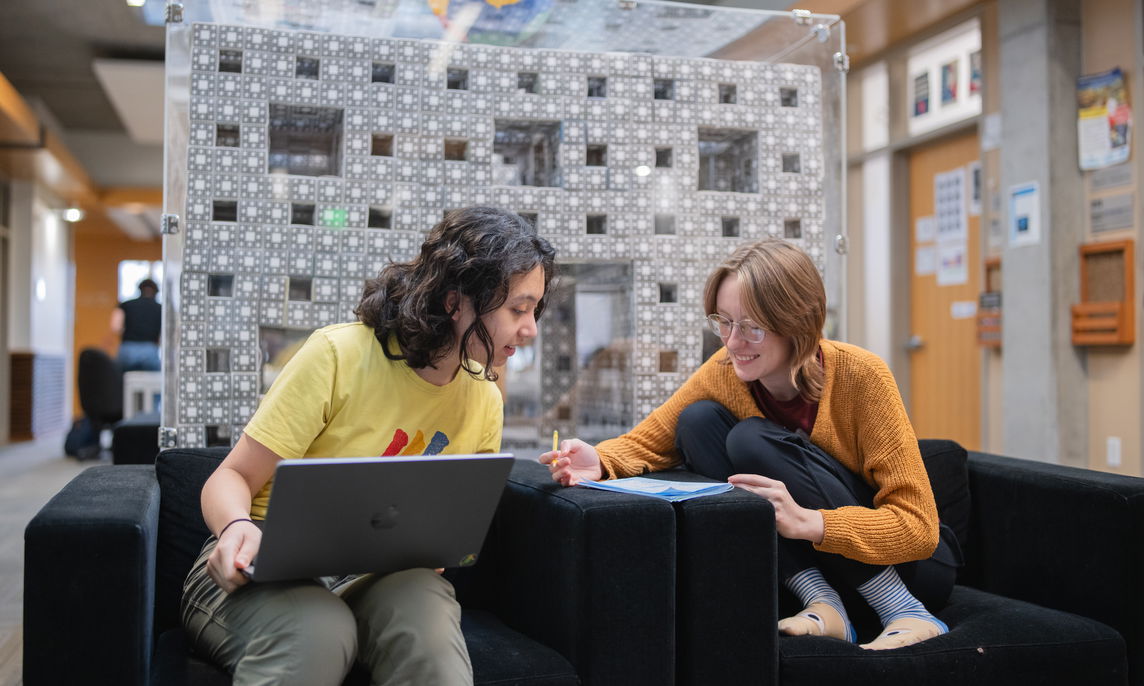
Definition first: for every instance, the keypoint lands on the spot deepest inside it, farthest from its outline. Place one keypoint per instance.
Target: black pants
(716, 444)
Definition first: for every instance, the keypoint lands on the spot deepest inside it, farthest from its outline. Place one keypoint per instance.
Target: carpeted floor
(30, 474)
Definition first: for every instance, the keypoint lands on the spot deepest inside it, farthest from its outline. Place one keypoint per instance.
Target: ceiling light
(72, 214)
(136, 3)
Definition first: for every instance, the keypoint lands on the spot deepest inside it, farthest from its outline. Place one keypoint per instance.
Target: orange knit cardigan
(861, 422)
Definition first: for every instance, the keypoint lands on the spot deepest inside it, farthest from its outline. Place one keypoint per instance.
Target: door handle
(914, 342)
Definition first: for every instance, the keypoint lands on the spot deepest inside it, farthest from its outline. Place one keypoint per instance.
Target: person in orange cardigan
(815, 426)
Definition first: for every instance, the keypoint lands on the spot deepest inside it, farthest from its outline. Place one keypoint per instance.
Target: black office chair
(100, 381)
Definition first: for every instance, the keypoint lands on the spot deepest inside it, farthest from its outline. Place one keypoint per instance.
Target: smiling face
(769, 361)
(511, 325)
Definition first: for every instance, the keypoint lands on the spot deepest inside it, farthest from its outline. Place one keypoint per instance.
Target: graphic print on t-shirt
(401, 445)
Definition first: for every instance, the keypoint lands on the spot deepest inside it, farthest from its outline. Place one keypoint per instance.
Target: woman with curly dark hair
(410, 378)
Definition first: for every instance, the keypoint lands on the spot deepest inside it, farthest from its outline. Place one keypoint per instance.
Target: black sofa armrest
(89, 580)
(1061, 537)
(728, 589)
(589, 573)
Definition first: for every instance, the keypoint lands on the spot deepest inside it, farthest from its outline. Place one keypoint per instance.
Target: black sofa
(572, 586)
(1050, 592)
(627, 590)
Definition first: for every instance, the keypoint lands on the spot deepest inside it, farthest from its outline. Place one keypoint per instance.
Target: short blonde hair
(782, 292)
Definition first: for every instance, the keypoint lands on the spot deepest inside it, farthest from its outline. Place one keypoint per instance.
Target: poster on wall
(925, 260)
(925, 229)
(1104, 119)
(963, 309)
(921, 94)
(991, 132)
(952, 264)
(949, 205)
(949, 83)
(975, 75)
(1024, 214)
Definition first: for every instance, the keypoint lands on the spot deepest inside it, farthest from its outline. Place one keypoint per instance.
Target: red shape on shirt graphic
(402, 445)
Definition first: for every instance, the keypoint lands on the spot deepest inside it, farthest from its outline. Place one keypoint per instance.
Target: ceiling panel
(47, 48)
(136, 89)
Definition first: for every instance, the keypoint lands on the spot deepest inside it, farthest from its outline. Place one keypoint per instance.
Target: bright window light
(131, 272)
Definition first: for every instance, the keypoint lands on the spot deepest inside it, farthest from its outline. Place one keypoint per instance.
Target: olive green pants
(405, 628)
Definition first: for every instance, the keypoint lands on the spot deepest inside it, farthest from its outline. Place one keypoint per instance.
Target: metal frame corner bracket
(168, 437)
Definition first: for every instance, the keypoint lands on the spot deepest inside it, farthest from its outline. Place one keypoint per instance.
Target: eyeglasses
(748, 330)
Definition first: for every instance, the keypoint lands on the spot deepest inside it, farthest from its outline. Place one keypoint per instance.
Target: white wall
(877, 252)
(877, 196)
(40, 282)
(50, 282)
(875, 107)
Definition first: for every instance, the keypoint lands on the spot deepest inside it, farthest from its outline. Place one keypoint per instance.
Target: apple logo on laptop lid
(386, 519)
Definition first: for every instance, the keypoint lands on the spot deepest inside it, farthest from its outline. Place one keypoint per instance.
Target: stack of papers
(673, 491)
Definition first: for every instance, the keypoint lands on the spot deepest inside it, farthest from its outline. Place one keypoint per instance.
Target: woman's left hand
(791, 520)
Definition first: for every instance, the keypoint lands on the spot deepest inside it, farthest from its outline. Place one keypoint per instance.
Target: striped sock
(888, 595)
(809, 586)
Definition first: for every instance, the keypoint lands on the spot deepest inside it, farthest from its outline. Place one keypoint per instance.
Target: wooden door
(945, 276)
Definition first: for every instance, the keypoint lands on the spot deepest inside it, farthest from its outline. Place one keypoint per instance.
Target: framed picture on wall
(975, 75)
(949, 83)
(975, 188)
(921, 94)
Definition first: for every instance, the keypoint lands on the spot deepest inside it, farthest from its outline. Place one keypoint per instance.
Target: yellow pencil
(555, 444)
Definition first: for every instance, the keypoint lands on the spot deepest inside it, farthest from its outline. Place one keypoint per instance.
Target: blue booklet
(673, 491)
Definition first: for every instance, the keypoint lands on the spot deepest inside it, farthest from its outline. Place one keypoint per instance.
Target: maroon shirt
(791, 414)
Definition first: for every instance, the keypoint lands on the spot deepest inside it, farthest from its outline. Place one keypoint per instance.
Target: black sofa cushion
(946, 465)
(992, 640)
(182, 531)
(500, 657)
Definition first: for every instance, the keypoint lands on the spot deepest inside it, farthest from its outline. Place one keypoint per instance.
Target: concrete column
(1044, 389)
(19, 285)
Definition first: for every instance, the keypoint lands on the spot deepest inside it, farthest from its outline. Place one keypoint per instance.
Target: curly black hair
(474, 251)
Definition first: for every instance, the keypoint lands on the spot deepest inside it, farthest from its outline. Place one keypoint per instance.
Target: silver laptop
(337, 516)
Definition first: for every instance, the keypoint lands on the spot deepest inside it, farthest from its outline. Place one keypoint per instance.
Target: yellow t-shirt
(340, 396)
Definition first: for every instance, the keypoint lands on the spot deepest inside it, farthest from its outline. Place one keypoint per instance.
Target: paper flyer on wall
(1025, 214)
(1104, 119)
(949, 205)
